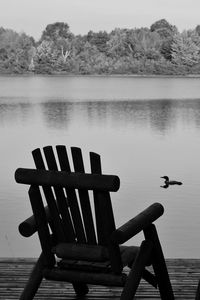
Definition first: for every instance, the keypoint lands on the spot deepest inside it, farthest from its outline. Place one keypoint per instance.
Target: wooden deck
(184, 275)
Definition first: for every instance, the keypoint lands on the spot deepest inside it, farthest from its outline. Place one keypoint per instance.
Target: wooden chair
(73, 248)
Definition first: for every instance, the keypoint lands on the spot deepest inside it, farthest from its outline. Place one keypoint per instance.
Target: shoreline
(101, 75)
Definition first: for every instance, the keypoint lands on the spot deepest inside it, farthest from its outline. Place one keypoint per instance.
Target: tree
(55, 31)
(60, 37)
(88, 58)
(164, 29)
(118, 44)
(14, 49)
(45, 57)
(99, 40)
(185, 50)
(166, 32)
(2, 30)
(197, 29)
(146, 44)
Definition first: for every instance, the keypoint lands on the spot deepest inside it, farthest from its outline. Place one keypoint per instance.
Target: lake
(144, 128)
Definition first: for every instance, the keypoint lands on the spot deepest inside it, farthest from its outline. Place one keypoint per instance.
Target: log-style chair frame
(77, 249)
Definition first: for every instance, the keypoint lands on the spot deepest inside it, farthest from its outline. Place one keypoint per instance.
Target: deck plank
(184, 275)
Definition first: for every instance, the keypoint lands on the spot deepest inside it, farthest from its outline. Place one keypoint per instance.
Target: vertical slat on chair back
(84, 198)
(95, 163)
(104, 217)
(103, 206)
(71, 196)
(57, 227)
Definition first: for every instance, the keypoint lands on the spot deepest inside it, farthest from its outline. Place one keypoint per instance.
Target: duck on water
(170, 182)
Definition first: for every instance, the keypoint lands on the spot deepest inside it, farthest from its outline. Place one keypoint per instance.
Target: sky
(32, 16)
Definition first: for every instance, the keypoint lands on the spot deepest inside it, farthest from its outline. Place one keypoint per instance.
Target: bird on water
(170, 182)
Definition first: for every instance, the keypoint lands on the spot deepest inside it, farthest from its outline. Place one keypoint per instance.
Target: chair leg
(34, 280)
(197, 297)
(159, 264)
(81, 289)
(137, 269)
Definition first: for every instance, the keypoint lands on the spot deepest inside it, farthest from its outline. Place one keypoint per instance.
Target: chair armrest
(137, 224)
(28, 227)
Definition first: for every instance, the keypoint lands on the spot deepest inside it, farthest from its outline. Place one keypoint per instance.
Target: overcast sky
(32, 16)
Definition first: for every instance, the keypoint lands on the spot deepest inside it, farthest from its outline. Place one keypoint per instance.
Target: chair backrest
(72, 217)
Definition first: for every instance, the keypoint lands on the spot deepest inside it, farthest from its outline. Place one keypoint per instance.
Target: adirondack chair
(73, 248)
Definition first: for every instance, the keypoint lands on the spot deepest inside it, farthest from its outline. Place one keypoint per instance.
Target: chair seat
(83, 265)
(81, 252)
(93, 258)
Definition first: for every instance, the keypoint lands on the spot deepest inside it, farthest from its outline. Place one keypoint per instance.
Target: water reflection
(57, 114)
(15, 113)
(161, 116)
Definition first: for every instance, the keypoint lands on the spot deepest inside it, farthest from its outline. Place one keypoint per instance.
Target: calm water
(144, 128)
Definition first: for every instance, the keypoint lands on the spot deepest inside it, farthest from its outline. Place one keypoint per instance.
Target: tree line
(160, 50)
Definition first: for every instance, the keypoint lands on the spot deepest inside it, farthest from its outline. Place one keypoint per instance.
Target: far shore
(101, 75)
